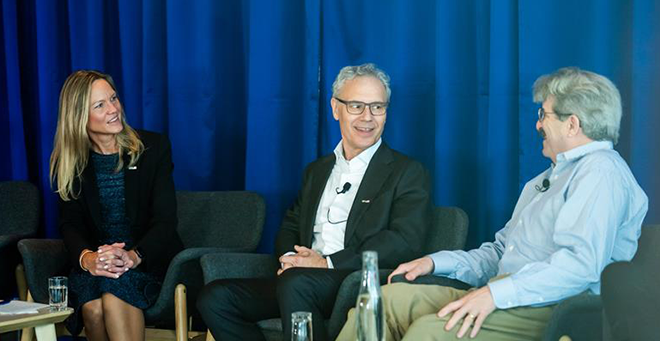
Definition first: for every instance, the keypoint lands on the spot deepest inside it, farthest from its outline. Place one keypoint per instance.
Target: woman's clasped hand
(110, 261)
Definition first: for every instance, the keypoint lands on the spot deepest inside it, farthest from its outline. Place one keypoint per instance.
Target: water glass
(301, 326)
(57, 293)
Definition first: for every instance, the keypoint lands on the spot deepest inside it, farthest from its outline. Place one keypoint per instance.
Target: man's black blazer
(150, 207)
(391, 212)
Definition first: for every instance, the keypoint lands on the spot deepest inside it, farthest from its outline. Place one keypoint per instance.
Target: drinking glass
(57, 292)
(301, 326)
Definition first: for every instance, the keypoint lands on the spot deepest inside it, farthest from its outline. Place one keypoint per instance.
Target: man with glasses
(364, 196)
(579, 215)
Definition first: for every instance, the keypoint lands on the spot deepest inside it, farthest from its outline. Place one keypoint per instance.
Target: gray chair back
(649, 241)
(19, 208)
(449, 230)
(43, 258)
(220, 219)
(19, 218)
(581, 317)
(208, 222)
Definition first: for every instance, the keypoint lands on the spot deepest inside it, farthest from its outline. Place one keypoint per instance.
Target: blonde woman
(117, 208)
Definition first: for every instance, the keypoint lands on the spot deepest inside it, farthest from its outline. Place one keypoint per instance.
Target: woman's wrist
(81, 259)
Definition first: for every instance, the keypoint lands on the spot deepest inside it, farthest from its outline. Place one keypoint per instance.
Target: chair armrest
(579, 317)
(347, 297)
(43, 258)
(238, 265)
(433, 280)
(183, 269)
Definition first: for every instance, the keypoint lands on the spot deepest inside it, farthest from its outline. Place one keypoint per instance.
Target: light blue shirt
(558, 241)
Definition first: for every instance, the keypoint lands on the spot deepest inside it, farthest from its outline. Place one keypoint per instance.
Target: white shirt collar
(361, 160)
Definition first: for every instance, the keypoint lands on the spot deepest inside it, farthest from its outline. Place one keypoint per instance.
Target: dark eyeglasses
(357, 107)
(542, 113)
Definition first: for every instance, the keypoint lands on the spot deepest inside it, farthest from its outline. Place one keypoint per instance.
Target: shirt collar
(361, 159)
(583, 150)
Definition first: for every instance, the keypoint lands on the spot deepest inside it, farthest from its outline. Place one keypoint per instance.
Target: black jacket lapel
(319, 181)
(91, 192)
(378, 171)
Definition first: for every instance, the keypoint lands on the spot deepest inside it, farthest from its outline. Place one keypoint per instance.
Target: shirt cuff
(443, 263)
(329, 260)
(504, 293)
(287, 254)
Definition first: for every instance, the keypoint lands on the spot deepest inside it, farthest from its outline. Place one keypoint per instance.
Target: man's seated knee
(295, 281)
(217, 294)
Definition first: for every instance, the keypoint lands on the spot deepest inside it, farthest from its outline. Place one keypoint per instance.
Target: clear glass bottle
(369, 306)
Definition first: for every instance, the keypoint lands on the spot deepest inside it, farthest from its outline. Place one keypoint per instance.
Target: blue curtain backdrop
(242, 87)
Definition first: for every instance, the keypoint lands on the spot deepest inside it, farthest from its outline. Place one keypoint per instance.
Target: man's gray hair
(594, 99)
(368, 69)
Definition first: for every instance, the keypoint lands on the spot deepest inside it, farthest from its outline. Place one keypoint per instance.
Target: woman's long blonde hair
(72, 144)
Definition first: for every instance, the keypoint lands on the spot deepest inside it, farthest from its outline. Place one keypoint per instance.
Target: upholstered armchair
(209, 222)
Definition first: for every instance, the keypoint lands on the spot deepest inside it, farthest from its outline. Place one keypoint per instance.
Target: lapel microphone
(544, 186)
(347, 186)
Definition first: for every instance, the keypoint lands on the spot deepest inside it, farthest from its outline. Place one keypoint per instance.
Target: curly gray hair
(594, 99)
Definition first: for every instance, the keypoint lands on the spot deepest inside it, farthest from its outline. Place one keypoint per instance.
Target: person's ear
(574, 125)
(334, 104)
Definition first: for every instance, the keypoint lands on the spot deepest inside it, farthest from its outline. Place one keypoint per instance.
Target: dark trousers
(231, 307)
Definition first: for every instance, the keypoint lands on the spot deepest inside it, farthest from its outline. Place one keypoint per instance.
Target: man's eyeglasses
(357, 107)
(542, 113)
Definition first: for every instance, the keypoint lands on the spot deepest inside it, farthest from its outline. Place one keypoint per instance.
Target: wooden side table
(43, 322)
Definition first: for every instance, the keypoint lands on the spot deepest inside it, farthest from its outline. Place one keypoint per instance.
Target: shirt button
(540, 299)
(509, 303)
(519, 221)
(554, 177)
(511, 248)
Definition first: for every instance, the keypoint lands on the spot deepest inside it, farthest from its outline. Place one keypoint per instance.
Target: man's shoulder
(399, 156)
(603, 161)
(399, 159)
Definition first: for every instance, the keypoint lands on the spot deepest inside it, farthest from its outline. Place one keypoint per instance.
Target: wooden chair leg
(181, 313)
(21, 282)
(209, 336)
(27, 334)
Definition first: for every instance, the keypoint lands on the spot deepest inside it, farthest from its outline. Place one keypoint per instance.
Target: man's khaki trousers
(410, 314)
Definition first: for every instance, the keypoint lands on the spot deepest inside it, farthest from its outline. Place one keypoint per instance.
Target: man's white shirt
(329, 235)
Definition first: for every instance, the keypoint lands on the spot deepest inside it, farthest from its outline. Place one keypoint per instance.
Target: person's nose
(113, 108)
(366, 115)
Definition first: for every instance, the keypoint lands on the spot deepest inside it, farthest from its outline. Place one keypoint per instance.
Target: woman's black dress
(135, 287)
